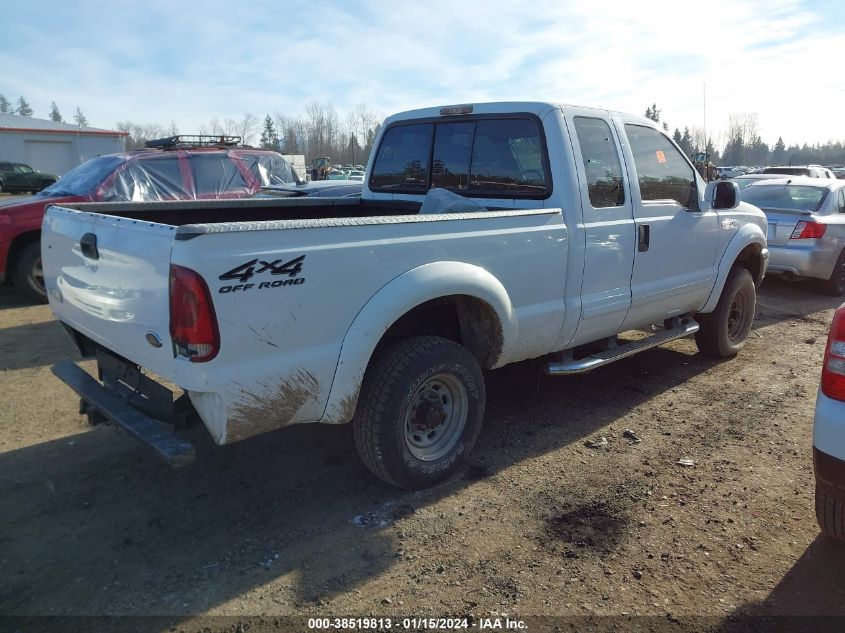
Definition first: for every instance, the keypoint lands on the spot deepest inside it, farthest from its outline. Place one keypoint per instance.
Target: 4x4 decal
(246, 271)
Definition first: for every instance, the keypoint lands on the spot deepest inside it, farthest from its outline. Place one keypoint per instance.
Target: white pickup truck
(485, 234)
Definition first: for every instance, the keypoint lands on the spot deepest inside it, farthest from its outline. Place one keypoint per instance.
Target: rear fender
(398, 297)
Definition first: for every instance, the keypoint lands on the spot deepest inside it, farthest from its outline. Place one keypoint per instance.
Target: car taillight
(833, 371)
(193, 323)
(805, 230)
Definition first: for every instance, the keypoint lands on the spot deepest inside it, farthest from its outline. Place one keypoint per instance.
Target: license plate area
(138, 390)
(773, 231)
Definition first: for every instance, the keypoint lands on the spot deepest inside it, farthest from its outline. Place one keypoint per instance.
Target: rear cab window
(494, 157)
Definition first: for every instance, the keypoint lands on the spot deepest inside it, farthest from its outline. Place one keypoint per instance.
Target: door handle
(643, 237)
(88, 246)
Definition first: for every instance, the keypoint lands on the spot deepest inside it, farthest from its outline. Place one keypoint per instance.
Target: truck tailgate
(108, 278)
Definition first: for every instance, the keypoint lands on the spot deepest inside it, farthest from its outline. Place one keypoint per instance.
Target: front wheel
(420, 411)
(724, 331)
(28, 274)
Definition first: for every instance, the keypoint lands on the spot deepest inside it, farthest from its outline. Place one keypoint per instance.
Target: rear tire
(419, 412)
(835, 285)
(28, 275)
(724, 331)
(830, 513)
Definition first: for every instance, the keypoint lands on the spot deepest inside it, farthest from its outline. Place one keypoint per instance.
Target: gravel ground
(538, 523)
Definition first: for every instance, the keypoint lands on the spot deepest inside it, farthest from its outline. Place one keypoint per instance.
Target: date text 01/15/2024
(385, 624)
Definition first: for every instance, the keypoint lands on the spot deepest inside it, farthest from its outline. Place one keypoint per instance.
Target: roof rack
(187, 141)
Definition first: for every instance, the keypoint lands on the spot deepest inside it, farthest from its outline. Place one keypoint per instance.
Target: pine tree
(79, 118)
(653, 113)
(779, 152)
(5, 105)
(269, 138)
(55, 115)
(686, 142)
(23, 108)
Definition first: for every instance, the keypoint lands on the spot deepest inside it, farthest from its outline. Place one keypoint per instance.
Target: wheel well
(460, 318)
(18, 244)
(749, 258)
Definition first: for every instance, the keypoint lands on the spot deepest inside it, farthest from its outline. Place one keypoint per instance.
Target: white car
(829, 434)
(810, 171)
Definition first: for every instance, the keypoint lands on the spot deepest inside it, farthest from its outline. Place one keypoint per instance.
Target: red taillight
(808, 230)
(193, 324)
(833, 370)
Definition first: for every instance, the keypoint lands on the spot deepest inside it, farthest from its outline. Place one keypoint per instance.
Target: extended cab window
(662, 171)
(492, 157)
(601, 162)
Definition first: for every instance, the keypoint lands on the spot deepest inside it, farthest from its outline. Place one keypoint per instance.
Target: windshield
(792, 197)
(82, 180)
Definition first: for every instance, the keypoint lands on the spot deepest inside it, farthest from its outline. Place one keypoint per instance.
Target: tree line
(745, 147)
(22, 108)
(318, 131)
(321, 131)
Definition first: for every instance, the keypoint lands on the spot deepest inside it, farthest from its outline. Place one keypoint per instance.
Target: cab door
(675, 264)
(608, 224)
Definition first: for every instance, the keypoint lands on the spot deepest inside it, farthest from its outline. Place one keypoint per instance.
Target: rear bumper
(804, 260)
(830, 471)
(829, 442)
(153, 434)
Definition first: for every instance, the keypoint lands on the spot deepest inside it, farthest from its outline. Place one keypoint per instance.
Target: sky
(159, 61)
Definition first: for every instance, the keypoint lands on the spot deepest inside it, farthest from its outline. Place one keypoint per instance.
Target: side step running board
(568, 367)
(152, 433)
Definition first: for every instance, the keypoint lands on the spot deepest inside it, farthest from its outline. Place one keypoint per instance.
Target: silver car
(746, 179)
(806, 219)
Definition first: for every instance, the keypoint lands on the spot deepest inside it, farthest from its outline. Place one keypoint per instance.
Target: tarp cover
(445, 201)
(175, 176)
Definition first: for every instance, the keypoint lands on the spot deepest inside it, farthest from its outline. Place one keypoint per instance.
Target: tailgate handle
(88, 246)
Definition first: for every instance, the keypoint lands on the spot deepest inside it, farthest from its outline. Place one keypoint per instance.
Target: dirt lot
(291, 523)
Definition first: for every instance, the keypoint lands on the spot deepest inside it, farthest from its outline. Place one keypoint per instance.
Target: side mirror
(722, 195)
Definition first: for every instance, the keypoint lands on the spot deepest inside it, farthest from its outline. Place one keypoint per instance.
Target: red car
(175, 168)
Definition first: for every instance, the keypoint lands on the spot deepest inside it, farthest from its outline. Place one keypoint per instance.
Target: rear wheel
(28, 274)
(724, 331)
(830, 512)
(835, 285)
(420, 411)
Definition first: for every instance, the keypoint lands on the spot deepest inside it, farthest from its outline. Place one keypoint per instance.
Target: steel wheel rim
(38, 274)
(436, 417)
(736, 316)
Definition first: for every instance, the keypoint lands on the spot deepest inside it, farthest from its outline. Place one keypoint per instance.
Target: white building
(297, 161)
(51, 146)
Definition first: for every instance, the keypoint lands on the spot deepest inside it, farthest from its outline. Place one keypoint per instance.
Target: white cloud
(190, 63)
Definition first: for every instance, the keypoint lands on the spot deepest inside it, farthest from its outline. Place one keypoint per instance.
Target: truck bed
(180, 213)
